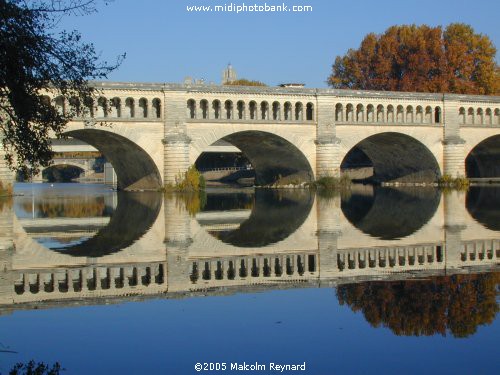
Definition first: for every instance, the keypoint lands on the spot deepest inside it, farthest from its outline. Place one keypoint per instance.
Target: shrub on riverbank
(329, 182)
(448, 182)
(192, 180)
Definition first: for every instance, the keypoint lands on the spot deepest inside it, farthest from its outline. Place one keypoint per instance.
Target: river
(370, 280)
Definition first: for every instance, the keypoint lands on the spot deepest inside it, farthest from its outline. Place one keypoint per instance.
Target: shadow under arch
(396, 157)
(389, 213)
(483, 204)
(275, 216)
(483, 160)
(272, 157)
(135, 169)
(135, 213)
(66, 163)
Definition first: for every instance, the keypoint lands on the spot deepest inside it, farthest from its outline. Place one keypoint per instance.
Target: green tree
(36, 59)
(191, 180)
(422, 59)
(245, 82)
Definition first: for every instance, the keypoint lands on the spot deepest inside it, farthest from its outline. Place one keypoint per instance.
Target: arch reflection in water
(388, 213)
(90, 226)
(134, 215)
(255, 220)
(483, 204)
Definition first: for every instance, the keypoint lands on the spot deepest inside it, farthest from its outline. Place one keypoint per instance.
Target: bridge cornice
(472, 99)
(398, 125)
(250, 122)
(148, 88)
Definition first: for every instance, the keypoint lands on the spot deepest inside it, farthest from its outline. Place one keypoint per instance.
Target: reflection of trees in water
(229, 201)
(194, 202)
(456, 304)
(69, 207)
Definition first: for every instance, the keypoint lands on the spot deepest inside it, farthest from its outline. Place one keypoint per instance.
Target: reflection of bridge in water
(154, 246)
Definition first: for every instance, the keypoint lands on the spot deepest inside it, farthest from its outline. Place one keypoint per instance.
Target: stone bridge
(153, 132)
(85, 165)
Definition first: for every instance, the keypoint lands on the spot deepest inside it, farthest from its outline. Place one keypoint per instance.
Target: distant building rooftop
(291, 84)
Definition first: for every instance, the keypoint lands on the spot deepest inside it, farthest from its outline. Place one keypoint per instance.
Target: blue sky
(164, 42)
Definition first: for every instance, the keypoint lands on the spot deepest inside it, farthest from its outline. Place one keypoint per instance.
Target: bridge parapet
(217, 104)
(394, 259)
(199, 274)
(252, 269)
(125, 105)
(90, 281)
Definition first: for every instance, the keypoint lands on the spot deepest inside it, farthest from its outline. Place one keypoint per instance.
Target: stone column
(282, 111)
(7, 177)
(327, 156)
(176, 142)
(177, 241)
(455, 214)
(6, 251)
(328, 211)
(453, 144)
(327, 144)
(176, 156)
(246, 110)
(453, 157)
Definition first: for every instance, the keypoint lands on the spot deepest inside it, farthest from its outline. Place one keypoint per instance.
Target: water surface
(376, 280)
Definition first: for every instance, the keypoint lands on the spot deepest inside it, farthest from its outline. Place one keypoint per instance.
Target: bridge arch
(134, 167)
(272, 156)
(394, 157)
(483, 160)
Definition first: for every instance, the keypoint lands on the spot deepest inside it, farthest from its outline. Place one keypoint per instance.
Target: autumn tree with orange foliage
(422, 59)
(440, 305)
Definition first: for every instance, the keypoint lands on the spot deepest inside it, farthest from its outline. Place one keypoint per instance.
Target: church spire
(228, 74)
